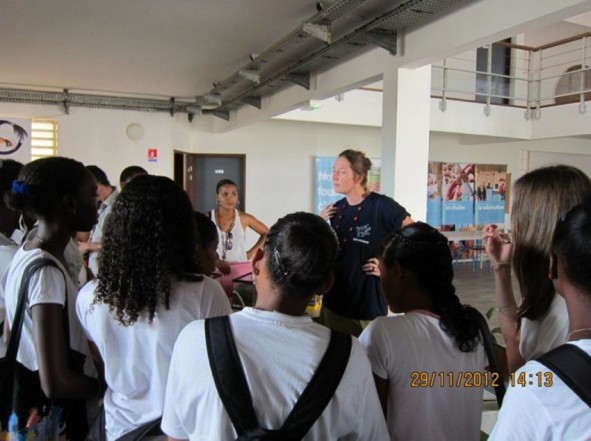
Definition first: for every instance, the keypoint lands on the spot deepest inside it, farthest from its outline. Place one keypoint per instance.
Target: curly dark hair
(44, 181)
(423, 250)
(149, 240)
(301, 250)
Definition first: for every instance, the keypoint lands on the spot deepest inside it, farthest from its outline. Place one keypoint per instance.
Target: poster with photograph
(15, 139)
(491, 187)
(457, 189)
(324, 190)
(434, 194)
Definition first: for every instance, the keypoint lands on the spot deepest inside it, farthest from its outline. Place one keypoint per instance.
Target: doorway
(200, 173)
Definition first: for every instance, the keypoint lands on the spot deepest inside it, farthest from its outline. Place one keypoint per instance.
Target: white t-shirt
(48, 285)
(543, 412)
(540, 336)
(402, 347)
(7, 251)
(279, 354)
(237, 253)
(137, 357)
(96, 235)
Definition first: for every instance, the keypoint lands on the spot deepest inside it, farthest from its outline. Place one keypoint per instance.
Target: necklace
(345, 236)
(227, 243)
(577, 331)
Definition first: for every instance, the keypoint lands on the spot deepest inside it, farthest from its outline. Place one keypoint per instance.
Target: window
(43, 138)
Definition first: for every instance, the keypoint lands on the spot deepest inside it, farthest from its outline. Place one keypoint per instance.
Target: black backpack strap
(17, 323)
(7, 379)
(493, 362)
(321, 387)
(228, 374)
(573, 366)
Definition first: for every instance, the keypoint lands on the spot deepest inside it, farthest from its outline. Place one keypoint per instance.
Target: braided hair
(41, 183)
(424, 251)
(301, 250)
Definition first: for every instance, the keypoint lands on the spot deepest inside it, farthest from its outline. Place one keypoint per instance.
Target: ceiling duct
(334, 33)
(380, 31)
(68, 99)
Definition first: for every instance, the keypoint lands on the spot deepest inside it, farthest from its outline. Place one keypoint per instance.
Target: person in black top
(361, 220)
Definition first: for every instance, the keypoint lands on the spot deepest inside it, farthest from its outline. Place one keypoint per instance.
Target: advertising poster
(324, 191)
(491, 187)
(434, 194)
(15, 139)
(457, 189)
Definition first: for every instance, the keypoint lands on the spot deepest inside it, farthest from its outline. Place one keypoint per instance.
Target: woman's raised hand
(328, 212)
(498, 245)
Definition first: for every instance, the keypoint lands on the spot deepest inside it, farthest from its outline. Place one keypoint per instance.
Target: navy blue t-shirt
(361, 230)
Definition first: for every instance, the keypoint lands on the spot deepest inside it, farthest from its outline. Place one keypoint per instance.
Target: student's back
(428, 364)
(137, 357)
(146, 292)
(279, 347)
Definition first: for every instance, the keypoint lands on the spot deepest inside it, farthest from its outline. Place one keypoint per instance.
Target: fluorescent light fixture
(312, 105)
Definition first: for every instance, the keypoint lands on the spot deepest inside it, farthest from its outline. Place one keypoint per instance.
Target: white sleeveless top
(233, 249)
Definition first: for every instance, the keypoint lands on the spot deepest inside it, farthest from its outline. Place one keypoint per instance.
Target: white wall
(280, 159)
(280, 154)
(489, 150)
(98, 137)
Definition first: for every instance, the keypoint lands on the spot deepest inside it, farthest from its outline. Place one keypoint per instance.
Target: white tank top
(234, 247)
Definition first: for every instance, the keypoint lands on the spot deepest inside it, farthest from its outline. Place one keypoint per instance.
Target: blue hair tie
(20, 187)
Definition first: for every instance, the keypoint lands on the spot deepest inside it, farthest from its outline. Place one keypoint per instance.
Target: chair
(243, 291)
(477, 249)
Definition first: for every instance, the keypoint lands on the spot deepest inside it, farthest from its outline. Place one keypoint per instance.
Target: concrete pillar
(405, 137)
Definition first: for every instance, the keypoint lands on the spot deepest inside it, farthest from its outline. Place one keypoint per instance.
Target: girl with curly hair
(60, 193)
(435, 334)
(146, 292)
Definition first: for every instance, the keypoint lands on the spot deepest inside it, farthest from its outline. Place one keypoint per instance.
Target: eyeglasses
(228, 243)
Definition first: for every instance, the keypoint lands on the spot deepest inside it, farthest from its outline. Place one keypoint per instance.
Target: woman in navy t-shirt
(361, 220)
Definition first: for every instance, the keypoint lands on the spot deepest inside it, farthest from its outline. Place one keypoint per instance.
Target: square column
(405, 137)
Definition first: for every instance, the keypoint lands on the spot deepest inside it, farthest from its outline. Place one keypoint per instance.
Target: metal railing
(520, 76)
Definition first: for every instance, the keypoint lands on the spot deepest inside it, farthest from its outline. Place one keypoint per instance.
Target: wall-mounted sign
(15, 139)
(152, 155)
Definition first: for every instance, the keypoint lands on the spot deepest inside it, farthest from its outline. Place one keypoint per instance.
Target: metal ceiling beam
(318, 30)
(294, 38)
(384, 39)
(223, 114)
(253, 75)
(69, 100)
(405, 14)
(255, 101)
(299, 79)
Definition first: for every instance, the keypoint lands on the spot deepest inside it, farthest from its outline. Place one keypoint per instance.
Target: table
(462, 235)
(477, 248)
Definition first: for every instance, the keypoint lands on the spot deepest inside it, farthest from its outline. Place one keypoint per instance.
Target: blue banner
(434, 211)
(490, 212)
(324, 190)
(458, 213)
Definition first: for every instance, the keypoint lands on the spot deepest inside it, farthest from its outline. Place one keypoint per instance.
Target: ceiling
(153, 47)
(188, 49)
